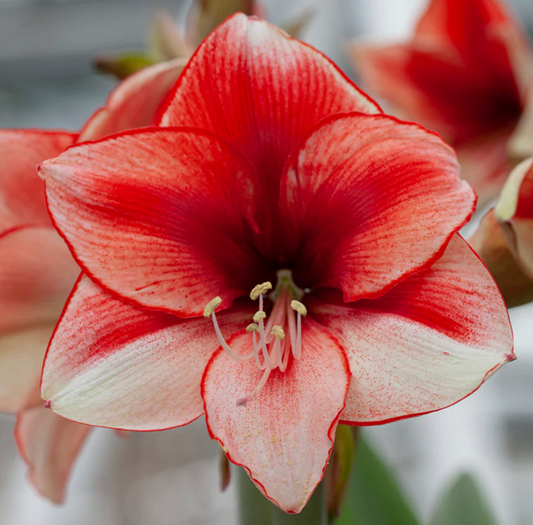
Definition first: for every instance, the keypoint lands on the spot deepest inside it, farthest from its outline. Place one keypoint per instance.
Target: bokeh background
(171, 478)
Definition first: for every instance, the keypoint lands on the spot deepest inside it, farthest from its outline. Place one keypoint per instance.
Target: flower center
(270, 347)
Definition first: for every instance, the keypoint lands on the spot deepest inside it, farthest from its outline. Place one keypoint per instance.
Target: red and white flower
(37, 273)
(268, 167)
(465, 73)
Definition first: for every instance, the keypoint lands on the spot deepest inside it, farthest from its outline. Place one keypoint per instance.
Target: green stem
(255, 509)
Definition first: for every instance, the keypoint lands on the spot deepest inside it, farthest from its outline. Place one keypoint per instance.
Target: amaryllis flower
(37, 272)
(504, 238)
(465, 73)
(317, 235)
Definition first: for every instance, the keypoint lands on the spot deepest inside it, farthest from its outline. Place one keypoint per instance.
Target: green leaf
(122, 65)
(374, 496)
(339, 469)
(463, 504)
(254, 508)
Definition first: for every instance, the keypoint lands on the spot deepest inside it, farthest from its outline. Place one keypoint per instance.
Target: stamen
(276, 354)
(297, 306)
(260, 289)
(260, 366)
(301, 311)
(212, 306)
(254, 329)
(286, 353)
(277, 316)
(278, 332)
(292, 329)
(297, 352)
(259, 316)
(209, 311)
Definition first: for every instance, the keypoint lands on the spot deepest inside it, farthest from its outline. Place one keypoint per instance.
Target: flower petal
(514, 211)
(111, 364)
(134, 103)
(283, 437)
(520, 146)
(490, 243)
(371, 200)
(461, 74)
(49, 445)
(168, 213)
(430, 342)
(262, 91)
(21, 190)
(487, 36)
(21, 361)
(384, 70)
(471, 27)
(37, 273)
(485, 163)
(434, 87)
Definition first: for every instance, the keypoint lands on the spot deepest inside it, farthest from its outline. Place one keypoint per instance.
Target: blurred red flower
(466, 73)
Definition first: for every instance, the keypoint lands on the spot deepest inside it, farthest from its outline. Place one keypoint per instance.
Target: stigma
(271, 347)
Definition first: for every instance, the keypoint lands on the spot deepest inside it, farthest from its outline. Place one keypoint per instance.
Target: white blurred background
(171, 478)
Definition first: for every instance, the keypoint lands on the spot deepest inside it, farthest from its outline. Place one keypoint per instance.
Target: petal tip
(510, 357)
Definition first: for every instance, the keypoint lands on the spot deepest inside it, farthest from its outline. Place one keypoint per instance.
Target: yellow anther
(297, 306)
(277, 332)
(258, 316)
(252, 327)
(212, 306)
(260, 289)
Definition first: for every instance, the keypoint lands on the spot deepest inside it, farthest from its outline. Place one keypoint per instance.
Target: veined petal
(21, 361)
(21, 190)
(283, 437)
(134, 103)
(159, 217)
(261, 90)
(49, 444)
(37, 273)
(111, 364)
(371, 200)
(428, 343)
